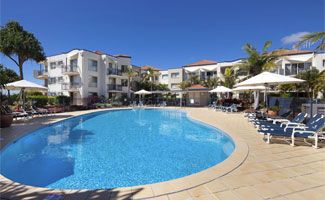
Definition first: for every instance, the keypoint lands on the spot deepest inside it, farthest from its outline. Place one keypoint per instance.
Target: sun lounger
(294, 130)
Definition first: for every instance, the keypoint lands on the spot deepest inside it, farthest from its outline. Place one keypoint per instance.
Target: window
(124, 82)
(60, 63)
(294, 68)
(60, 79)
(287, 69)
(92, 81)
(174, 75)
(164, 76)
(110, 65)
(124, 68)
(52, 80)
(92, 65)
(323, 63)
(74, 63)
(52, 65)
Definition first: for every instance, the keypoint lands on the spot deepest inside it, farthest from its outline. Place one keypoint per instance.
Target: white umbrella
(268, 78)
(142, 92)
(24, 85)
(248, 88)
(220, 89)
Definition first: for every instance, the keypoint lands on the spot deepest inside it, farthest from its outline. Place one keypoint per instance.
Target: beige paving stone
(226, 195)
(165, 197)
(247, 193)
(206, 197)
(142, 192)
(198, 191)
(265, 191)
(180, 196)
(215, 186)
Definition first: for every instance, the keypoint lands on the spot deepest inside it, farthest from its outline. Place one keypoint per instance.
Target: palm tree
(194, 79)
(230, 77)
(149, 76)
(211, 83)
(130, 73)
(314, 81)
(312, 38)
(258, 62)
(184, 84)
(19, 45)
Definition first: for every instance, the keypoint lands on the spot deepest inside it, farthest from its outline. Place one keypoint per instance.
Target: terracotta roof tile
(287, 52)
(202, 62)
(146, 67)
(197, 86)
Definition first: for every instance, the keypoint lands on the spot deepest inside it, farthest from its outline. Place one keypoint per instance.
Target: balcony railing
(70, 69)
(40, 74)
(70, 86)
(114, 87)
(114, 72)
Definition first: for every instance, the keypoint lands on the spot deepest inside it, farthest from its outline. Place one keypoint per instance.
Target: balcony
(40, 74)
(114, 87)
(70, 70)
(114, 72)
(71, 87)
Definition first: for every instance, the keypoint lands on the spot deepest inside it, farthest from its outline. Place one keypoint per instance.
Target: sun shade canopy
(268, 78)
(220, 89)
(23, 84)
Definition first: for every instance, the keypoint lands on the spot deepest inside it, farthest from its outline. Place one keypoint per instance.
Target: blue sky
(162, 33)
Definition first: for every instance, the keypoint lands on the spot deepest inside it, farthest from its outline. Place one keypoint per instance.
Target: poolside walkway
(275, 171)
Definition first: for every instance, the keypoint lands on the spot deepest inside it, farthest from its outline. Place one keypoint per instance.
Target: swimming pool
(117, 148)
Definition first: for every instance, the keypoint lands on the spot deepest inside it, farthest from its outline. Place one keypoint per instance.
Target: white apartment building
(291, 62)
(81, 73)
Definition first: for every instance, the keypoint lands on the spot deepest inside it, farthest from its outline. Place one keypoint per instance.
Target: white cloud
(293, 38)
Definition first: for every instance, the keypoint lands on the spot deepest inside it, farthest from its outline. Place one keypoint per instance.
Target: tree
(19, 45)
(211, 82)
(258, 62)
(230, 77)
(130, 73)
(311, 39)
(194, 79)
(149, 76)
(184, 84)
(7, 76)
(314, 82)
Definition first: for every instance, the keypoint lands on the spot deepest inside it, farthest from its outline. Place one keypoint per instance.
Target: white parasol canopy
(142, 92)
(268, 78)
(249, 88)
(220, 89)
(23, 84)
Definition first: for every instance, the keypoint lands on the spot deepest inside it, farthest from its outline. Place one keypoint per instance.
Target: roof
(122, 56)
(288, 52)
(202, 62)
(197, 87)
(146, 67)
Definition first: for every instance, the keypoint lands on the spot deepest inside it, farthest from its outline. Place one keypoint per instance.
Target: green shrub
(62, 100)
(38, 101)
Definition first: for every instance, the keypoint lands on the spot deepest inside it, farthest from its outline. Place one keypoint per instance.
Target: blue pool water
(115, 149)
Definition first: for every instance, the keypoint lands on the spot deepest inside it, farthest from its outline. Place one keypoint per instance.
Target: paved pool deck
(255, 170)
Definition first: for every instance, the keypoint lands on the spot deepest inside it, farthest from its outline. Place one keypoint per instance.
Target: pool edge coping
(231, 163)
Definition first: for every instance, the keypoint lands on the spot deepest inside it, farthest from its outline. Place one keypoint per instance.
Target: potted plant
(6, 118)
(273, 111)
